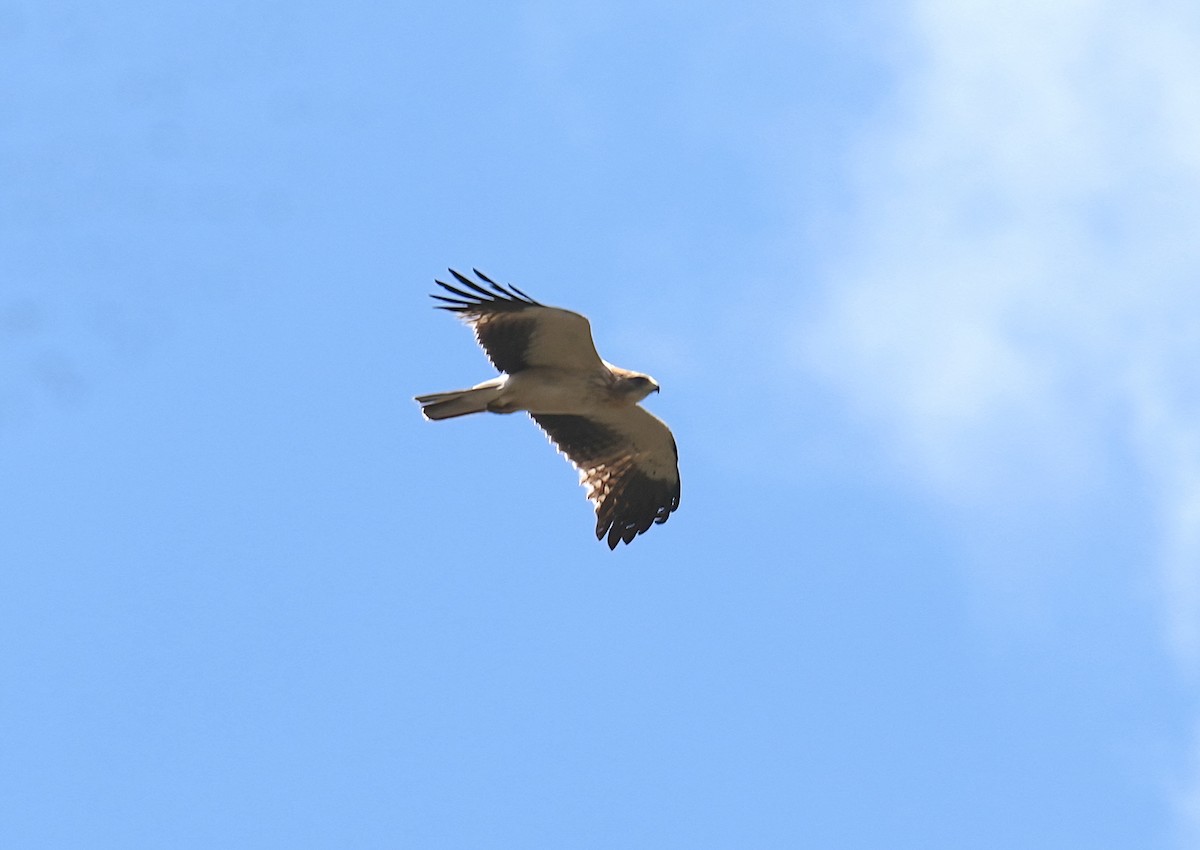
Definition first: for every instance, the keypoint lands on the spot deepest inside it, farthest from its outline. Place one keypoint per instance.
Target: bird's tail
(459, 402)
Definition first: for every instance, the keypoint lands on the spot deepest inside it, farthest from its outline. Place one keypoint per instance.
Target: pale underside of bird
(589, 409)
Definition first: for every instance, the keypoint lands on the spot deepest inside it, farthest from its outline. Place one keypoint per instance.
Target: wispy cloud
(1187, 802)
(1029, 279)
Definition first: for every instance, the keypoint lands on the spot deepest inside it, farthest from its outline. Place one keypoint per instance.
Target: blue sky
(919, 281)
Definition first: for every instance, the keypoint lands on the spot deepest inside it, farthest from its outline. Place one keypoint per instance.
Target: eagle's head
(635, 386)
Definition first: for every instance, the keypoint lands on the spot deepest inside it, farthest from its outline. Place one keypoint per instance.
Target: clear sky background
(921, 284)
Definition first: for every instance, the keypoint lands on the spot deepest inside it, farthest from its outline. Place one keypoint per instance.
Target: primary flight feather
(589, 408)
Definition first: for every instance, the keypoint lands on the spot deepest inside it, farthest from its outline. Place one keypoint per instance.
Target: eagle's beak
(657, 388)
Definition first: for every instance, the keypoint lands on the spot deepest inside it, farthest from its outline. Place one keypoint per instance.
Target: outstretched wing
(627, 460)
(517, 332)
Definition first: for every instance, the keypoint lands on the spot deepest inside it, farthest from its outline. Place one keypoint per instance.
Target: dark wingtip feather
(454, 289)
(480, 300)
(509, 291)
(451, 301)
(522, 294)
(466, 281)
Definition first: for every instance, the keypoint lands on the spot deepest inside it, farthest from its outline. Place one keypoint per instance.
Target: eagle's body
(544, 389)
(589, 408)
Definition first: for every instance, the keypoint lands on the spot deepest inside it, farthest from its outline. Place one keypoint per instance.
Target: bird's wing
(628, 462)
(517, 332)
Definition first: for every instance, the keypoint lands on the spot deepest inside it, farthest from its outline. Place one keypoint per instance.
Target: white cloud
(1030, 269)
(1029, 277)
(1187, 803)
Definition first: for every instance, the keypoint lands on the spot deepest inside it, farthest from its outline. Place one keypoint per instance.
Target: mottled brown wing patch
(628, 500)
(518, 333)
(496, 316)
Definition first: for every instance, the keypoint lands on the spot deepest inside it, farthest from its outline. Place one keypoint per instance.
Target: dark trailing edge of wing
(479, 300)
(643, 501)
(627, 500)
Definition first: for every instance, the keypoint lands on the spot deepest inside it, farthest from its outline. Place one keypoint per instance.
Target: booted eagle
(589, 409)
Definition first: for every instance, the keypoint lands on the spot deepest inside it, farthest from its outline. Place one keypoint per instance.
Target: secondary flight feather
(589, 409)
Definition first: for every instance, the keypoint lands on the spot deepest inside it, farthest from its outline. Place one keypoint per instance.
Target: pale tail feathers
(459, 402)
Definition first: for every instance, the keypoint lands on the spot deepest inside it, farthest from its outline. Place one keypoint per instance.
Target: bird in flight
(588, 407)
